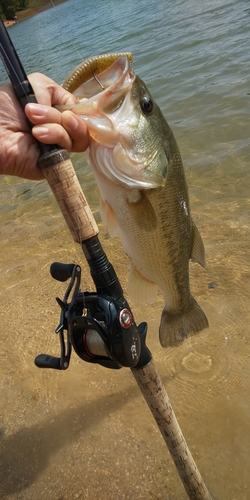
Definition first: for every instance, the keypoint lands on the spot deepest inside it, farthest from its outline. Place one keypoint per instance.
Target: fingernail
(72, 122)
(37, 109)
(41, 131)
(71, 100)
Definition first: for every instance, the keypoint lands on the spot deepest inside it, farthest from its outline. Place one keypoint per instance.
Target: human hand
(18, 149)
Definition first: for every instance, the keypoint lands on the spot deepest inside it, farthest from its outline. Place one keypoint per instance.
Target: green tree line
(9, 8)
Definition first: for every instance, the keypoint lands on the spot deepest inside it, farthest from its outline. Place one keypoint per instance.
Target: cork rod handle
(60, 174)
(155, 394)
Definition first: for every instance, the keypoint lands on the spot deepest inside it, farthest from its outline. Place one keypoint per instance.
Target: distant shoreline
(32, 11)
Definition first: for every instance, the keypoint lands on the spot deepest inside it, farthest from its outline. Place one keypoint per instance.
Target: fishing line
(77, 51)
(82, 60)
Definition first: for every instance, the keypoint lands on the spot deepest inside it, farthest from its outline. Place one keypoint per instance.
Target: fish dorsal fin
(108, 218)
(140, 290)
(198, 250)
(142, 211)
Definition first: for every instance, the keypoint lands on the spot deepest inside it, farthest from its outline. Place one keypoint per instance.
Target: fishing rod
(100, 325)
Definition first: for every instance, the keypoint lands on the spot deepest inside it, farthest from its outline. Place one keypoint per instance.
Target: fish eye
(146, 104)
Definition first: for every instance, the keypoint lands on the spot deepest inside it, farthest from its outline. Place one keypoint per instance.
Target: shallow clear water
(87, 433)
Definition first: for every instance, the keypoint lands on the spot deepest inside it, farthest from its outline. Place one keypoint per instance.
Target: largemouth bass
(143, 194)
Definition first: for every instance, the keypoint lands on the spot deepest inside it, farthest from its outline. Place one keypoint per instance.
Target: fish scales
(144, 195)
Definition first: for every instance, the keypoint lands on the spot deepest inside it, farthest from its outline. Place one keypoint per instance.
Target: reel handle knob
(61, 272)
(47, 361)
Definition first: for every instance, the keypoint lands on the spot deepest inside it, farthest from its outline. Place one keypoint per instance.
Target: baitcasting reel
(100, 328)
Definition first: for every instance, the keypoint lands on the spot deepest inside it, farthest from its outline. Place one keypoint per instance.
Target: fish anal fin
(174, 328)
(140, 290)
(198, 250)
(142, 211)
(108, 218)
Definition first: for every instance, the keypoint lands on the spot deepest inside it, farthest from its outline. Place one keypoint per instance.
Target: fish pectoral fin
(175, 327)
(142, 211)
(108, 218)
(140, 290)
(198, 250)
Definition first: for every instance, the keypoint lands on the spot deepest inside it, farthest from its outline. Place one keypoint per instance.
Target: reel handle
(47, 361)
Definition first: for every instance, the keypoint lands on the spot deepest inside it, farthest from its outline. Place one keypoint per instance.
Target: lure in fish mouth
(143, 194)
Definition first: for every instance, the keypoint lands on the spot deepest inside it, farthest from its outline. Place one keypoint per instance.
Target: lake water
(87, 433)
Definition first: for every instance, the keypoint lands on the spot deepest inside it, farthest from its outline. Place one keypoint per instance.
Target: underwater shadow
(24, 455)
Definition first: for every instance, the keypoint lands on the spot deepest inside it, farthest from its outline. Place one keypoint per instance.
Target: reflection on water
(87, 432)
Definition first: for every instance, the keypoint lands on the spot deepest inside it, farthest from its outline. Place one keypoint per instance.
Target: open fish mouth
(90, 67)
(112, 112)
(115, 78)
(101, 99)
(104, 93)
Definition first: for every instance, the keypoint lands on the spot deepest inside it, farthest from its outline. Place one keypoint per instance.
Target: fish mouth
(113, 117)
(102, 96)
(112, 79)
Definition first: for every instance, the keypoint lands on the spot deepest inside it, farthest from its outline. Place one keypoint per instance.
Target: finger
(72, 134)
(38, 113)
(52, 133)
(49, 92)
(77, 130)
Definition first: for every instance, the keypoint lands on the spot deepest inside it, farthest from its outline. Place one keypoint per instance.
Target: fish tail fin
(174, 328)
